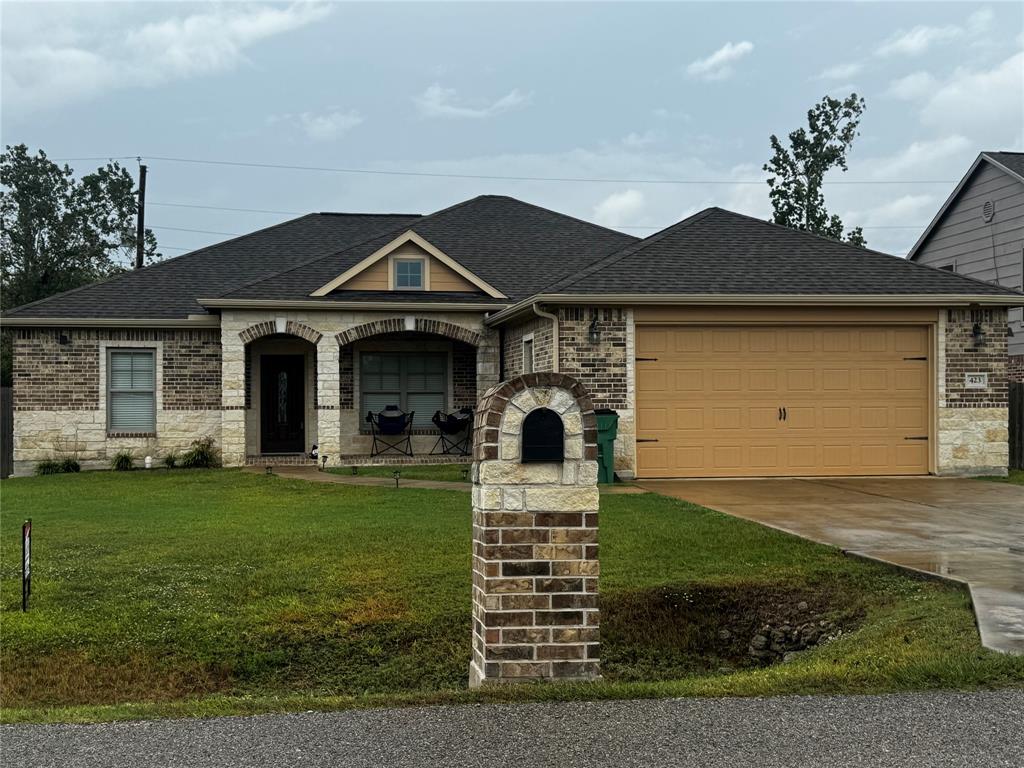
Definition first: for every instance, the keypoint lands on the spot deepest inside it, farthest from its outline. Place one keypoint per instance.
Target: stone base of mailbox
(535, 539)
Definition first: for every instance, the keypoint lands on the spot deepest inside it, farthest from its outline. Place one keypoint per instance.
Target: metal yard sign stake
(26, 563)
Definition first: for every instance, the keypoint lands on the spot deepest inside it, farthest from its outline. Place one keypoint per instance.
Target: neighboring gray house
(979, 232)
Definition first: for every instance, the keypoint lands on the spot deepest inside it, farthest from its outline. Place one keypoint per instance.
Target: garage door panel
(712, 401)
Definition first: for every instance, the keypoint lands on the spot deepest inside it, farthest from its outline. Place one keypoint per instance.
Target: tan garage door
(759, 401)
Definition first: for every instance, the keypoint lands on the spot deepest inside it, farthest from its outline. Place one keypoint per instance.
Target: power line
(496, 177)
(200, 231)
(223, 208)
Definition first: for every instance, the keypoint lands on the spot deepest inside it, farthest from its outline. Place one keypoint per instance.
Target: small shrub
(69, 464)
(171, 460)
(201, 455)
(49, 467)
(123, 461)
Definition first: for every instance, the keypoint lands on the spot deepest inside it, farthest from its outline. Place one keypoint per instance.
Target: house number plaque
(976, 380)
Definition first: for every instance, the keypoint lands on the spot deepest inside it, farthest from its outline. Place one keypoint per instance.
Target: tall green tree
(59, 232)
(797, 171)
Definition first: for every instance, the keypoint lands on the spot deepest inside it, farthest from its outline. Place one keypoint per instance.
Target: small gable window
(409, 274)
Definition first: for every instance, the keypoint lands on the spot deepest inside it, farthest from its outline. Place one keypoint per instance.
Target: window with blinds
(131, 390)
(412, 382)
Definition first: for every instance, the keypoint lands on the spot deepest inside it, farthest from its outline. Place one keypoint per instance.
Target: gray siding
(991, 251)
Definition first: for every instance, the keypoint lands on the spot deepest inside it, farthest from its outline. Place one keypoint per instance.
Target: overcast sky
(627, 92)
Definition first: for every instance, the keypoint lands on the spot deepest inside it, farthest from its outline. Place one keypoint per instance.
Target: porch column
(486, 362)
(232, 398)
(328, 398)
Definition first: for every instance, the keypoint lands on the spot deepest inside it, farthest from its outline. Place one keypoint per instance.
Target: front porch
(304, 384)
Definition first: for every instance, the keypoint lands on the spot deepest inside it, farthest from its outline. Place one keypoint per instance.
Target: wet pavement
(965, 530)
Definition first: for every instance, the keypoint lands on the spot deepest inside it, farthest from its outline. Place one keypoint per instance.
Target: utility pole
(140, 219)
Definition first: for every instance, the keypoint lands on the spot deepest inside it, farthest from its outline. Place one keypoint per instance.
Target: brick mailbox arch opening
(535, 535)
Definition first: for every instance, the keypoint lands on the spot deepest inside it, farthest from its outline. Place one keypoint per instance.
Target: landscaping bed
(220, 592)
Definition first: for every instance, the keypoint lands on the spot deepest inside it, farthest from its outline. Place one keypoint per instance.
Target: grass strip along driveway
(172, 593)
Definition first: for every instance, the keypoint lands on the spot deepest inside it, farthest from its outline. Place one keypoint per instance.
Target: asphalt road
(920, 730)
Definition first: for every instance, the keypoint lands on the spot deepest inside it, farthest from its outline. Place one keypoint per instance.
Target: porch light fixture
(593, 332)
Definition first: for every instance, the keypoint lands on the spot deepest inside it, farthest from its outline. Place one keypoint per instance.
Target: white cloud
(914, 86)
(718, 66)
(918, 40)
(638, 140)
(437, 101)
(920, 159)
(75, 67)
(620, 208)
(986, 105)
(841, 71)
(321, 127)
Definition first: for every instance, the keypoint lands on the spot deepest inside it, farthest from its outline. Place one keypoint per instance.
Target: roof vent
(988, 210)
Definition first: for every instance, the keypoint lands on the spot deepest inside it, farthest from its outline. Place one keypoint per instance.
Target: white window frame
(532, 367)
(108, 351)
(393, 272)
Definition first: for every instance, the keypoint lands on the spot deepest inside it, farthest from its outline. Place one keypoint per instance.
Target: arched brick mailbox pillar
(535, 502)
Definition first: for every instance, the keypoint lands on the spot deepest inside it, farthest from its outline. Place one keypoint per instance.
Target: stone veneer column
(535, 551)
(232, 401)
(328, 398)
(487, 357)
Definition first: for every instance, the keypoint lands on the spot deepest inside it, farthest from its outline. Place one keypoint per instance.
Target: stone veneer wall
(535, 543)
(973, 434)
(60, 397)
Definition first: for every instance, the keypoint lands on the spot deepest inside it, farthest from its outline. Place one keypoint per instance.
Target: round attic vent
(988, 210)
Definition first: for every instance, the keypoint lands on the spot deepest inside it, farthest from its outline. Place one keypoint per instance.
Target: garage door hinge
(646, 359)
(920, 437)
(647, 439)
(915, 358)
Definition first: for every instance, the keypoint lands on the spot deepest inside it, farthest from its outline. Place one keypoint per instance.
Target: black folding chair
(455, 433)
(391, 430)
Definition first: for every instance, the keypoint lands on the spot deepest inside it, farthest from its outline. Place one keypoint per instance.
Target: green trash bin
(607, 429)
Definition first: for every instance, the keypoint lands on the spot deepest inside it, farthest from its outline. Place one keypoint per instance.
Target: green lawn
(1015, 477)
(218, 592)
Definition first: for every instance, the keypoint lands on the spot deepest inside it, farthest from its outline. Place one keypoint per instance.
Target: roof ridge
(561, 215)
(346, 249)
(611, 258)
(161, 263)
(347, 213)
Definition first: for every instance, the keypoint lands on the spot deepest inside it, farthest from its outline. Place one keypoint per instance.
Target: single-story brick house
(729, 346)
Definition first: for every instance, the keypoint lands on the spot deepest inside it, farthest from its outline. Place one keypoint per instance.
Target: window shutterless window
(131, 390)
(528, 355)
(408, 274)
(412, 381)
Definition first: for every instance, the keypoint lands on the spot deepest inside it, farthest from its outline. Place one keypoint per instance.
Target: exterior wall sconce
(593, 332)
(977, 332)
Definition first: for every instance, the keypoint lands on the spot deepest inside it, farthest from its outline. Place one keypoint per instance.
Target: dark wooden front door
(282, 404)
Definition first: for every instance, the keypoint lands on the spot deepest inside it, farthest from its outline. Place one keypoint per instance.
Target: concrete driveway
(967, 530)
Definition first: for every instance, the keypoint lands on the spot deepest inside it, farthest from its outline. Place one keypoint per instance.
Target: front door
(282, 404)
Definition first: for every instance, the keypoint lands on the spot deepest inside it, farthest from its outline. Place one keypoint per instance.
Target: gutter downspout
(554, 333)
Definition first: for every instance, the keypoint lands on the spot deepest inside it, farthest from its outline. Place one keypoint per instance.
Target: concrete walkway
(902, 731)
(966, 530)
(314, 475)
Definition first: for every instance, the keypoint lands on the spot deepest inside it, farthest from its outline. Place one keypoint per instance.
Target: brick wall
(601, 368)
(1015, 367)
(543, 346)
(967, 354)
(463, 375)
(59, 369)
(346, 377)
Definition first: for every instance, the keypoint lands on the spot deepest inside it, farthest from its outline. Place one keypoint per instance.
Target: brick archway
(398, 325)
(269, 327)
(494, 419)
